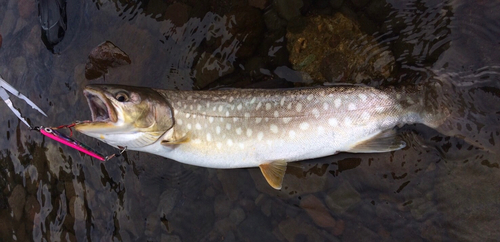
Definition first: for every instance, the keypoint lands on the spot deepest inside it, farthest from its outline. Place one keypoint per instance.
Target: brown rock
(26, 8)
(261, 4)
(178, 13)
(317, 211)
(104, 56)
(17, 201)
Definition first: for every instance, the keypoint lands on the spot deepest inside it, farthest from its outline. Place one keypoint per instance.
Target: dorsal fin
(386, 141)
(274, 173)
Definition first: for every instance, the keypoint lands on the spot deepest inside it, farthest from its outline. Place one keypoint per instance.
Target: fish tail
(469, 112)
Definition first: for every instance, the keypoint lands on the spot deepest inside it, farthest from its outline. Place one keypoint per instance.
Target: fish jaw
(125, 116)
(104, 114)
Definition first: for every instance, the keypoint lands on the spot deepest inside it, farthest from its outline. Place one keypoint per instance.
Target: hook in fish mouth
(102, 110)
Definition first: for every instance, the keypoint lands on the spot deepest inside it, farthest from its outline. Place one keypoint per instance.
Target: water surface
(439, 188)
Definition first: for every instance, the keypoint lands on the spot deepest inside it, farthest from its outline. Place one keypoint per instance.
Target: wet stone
(288, 9)
(237, 215)
(317, 211)
(178, 13)
(26, 8)
(17, 200)
(8, 23)
(210, 68)
(344, 39)
(342, 198)
(105, 55)
(222, 206)
(336, 3)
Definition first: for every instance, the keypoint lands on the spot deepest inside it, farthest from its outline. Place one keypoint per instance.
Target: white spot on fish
(274, 128)
(337, 102)
(351, 106)
(333, 122)
(189, 126)
(282, 102)
(188, 115)
(253, 100)
(258, 105)
(379, 109)
(241, 145)
(247, 115)
(409, 100)
(258, 120)
(249, 132)
(175, 111)
(304, 126)
(239, 107)
(287, 120)
(291, 134)
(398, 96)
(217, 130)
(211, 119)
(221, 108)
(235, 119)
(298, 108)
(231, 98)
(289, 106)
(268, 106)
(209, 137)
(383, 96)
(179, 121)
(276, 114)
(197, 141)
(321, 130)
(269, 142)
(179, 103)
(347, 121)
(239, 131)
(227, 113)
(365, 115)
(198, 126)
(228, 126)
(215, 108)
(325, 106)
(315, 112)
(362, 96)
(219, 145)
(191, 107)
(230, 142)
(260, 135)
(198, 107)
(310, 97)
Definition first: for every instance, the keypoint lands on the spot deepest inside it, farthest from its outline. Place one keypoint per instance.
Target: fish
(265, 128)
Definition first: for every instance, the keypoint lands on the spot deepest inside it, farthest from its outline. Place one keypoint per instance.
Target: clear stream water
(439, 188)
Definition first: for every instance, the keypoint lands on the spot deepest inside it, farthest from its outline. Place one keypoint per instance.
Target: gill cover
(126, 116)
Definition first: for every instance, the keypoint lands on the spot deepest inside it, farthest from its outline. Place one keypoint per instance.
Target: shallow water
(439, 188)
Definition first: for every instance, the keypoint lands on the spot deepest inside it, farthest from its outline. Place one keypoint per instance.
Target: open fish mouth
(100, 107)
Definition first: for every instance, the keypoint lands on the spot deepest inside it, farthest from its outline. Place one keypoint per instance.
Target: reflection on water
(439, 188)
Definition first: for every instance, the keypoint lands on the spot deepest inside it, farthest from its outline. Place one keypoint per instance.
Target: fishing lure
(51, 133)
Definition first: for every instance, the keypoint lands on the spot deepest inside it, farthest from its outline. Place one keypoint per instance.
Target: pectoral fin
(274, 173)
(384, 142)
(184, 139)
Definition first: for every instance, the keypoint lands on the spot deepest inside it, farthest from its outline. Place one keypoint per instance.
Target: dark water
(439, 188)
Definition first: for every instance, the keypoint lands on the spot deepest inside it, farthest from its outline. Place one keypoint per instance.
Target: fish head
(126, 116)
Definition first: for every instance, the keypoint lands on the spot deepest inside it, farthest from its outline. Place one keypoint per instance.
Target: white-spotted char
(254, 128)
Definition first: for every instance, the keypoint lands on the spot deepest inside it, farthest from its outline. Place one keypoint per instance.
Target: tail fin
(473, 109)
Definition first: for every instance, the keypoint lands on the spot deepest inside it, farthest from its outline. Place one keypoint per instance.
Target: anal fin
(274, 173)
(386, 141)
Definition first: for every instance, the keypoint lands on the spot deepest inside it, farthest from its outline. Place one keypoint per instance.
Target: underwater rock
(0, 41)
(210, 68)
(26, 8)
(248, 28)
(102, 57)
(288, 9)
(17, 201)
(333, 49)
(342, 198)
(318, 212)
(178, 13)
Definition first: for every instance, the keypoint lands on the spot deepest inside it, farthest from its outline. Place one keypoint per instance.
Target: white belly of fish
(252, 152)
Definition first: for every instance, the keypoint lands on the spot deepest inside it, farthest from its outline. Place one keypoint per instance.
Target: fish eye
(121, 97)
